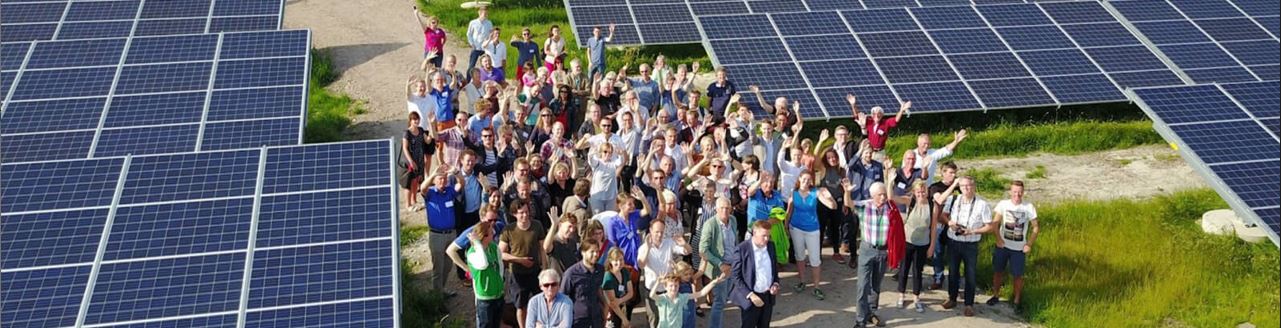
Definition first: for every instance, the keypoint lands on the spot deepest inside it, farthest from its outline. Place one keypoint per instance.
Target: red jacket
(897, 237)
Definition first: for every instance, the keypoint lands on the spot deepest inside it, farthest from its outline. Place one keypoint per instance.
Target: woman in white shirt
(554, 48)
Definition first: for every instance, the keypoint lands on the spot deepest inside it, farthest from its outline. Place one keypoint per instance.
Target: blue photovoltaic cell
(249, 134)
(736, 27)
(245, 7)
(889, 3)
(941, 96)
(827, 47)
(897, 44)
(16, 33)
(670, 32)
(103, 10)
(43, 298)
(775, 6)
(1147, 10)
(809, 23)
(75, 82)
(55, 185)
(967, 41)
(171, 9)
(218, 321)
(1072, 12)
(247, 23)
(1186, 104)
(372, 313)
(31, 12)
(48, 115)
(165, 108)
(1258, 8)
(1220, 75)
(729, 52)
(1121, 59)
(202, 175)
(1100, 35)
(255, 103)
(322, 273)
(937, 18)
(1270, 217)
(58, 185)
(881, 20)
(164, 78)
(1228, 141)
(1259, 98)
(1014, 15)
(1270, 23)
(1255, 52)
(662, 13)
(6, 80)
(1197, 55)
(330, 166)
(1025, 92)
(91, 30)
(170, 26)
(587, 16)
(1058, 62)
(916, 69)
(260, 72)
(172, 49)
(1082, 88)
(841, 73)
(1206, 8)
(1168, 32)
(1237, 29)
(297, 219)
(717, 8)
(988, 66)
(1146, 79)
(867, 97)
(1272, 124)
(264, 44)
(147, 140)
(166, 288)
(1267, 72)
(1035, 38)
(767, 76)
(1255, 183)
(179, 229)
(51, 238)
(11, 56)
(76, 53)
(816, 5)
(49, 146)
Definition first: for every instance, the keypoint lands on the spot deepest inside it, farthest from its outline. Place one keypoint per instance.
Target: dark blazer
(745, 273)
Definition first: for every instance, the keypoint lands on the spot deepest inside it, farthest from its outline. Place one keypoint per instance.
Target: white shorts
(807, 246)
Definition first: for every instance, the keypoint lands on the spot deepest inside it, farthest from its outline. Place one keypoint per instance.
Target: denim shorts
(1014, 259)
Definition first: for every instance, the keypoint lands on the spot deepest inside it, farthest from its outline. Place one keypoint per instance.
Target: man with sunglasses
(549, 309)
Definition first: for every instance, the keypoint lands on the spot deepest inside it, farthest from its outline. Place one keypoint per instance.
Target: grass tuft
(328, 113)
(420, 307)
(1036, 173)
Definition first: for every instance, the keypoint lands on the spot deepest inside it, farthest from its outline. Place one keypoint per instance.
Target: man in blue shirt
(526, 51)
(720, 92)
(647, 91)
(439, 200)
(762, 199)
(596, 51)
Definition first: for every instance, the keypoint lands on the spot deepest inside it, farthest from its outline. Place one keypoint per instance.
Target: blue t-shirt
(463, 242)
(443, 100)
(440, 207)
(805, 211)
(597, 47)
(477, 123)
(759, 206)
(646, 92)
(526, 50)
(624, 234)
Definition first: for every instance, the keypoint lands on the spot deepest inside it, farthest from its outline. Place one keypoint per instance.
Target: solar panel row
(70, 20)
(150, 95)
(1210, 41)
(271, 237)
(941, 58)
(1229, 133)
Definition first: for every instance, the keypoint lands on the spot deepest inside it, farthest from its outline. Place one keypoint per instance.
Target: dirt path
(376, 45)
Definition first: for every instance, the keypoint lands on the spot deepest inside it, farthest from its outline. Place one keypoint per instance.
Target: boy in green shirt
(484, 264)
(671, 305)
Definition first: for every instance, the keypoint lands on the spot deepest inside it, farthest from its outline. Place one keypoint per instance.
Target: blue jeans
(871, 270)
(962, 252)
(940, 255)
(720, 295)
(591, 73)
(489, 313)
(471, 61)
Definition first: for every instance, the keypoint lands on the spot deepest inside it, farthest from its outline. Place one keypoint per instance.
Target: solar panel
(1228, 132)
(155, 95)
(1209, 41)
(70, 20)
(200, 239)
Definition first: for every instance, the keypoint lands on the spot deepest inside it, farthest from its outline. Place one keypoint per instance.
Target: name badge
(449, 204)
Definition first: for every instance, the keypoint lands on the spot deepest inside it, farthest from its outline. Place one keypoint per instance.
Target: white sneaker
(901, 303)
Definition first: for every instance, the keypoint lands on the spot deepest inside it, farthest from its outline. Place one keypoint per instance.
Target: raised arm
(956, 140)
(610, 37)
(419, 17)
(548, 241)
(708, 288)
(760, 99)
(902, 110)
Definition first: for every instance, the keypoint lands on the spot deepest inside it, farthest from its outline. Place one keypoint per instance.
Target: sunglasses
(486, 136)
(551, 284)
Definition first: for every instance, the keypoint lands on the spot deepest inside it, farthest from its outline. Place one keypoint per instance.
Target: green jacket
(711, 244)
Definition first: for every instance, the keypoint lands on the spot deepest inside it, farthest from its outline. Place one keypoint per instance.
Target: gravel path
(376, 45)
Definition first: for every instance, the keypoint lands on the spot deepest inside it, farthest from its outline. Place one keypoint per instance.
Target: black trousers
(759, 317)
(913, 263)
(465, 220)
(829, 226)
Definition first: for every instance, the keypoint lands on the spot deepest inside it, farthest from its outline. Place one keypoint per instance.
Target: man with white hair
(967, 217)
(936, 155)
(550, 309)
(873, 247)
(878, 127)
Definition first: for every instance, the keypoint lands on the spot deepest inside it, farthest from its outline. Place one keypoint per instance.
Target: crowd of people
(568, 196)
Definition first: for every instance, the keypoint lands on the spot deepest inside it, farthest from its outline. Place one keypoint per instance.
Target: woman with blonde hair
(619, 286)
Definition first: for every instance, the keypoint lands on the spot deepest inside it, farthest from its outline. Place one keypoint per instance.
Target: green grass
(990, 183)
(328, 113)
(510, 16)
(1036, 173)
(1021, 139)
(420, 308)
(1126, 263)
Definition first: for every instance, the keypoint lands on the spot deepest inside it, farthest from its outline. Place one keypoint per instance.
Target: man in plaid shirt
(872, 248)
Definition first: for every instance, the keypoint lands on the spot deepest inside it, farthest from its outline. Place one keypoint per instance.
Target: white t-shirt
(422, 106)
(658, 262)
(1014, 223)
(970, 215)
(604, 174)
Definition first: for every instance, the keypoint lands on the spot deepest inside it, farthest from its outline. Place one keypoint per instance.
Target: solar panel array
(288, 236)
(1211, 40)
(69, 20)
(1229, 133)
(941, 58)
(147, 95)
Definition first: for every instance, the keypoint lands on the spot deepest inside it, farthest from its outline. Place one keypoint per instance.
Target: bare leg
(1018, 290)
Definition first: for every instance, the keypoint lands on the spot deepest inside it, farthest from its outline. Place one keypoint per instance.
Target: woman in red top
(434, 38)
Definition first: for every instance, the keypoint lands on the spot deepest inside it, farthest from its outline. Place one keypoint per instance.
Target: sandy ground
(376, 45)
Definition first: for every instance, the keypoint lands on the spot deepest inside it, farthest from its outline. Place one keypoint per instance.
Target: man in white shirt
(936, 155)
(655, 260)
(477, 31)
(968, 217)
(495, 48)
(1014, 217)
(755, 278)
